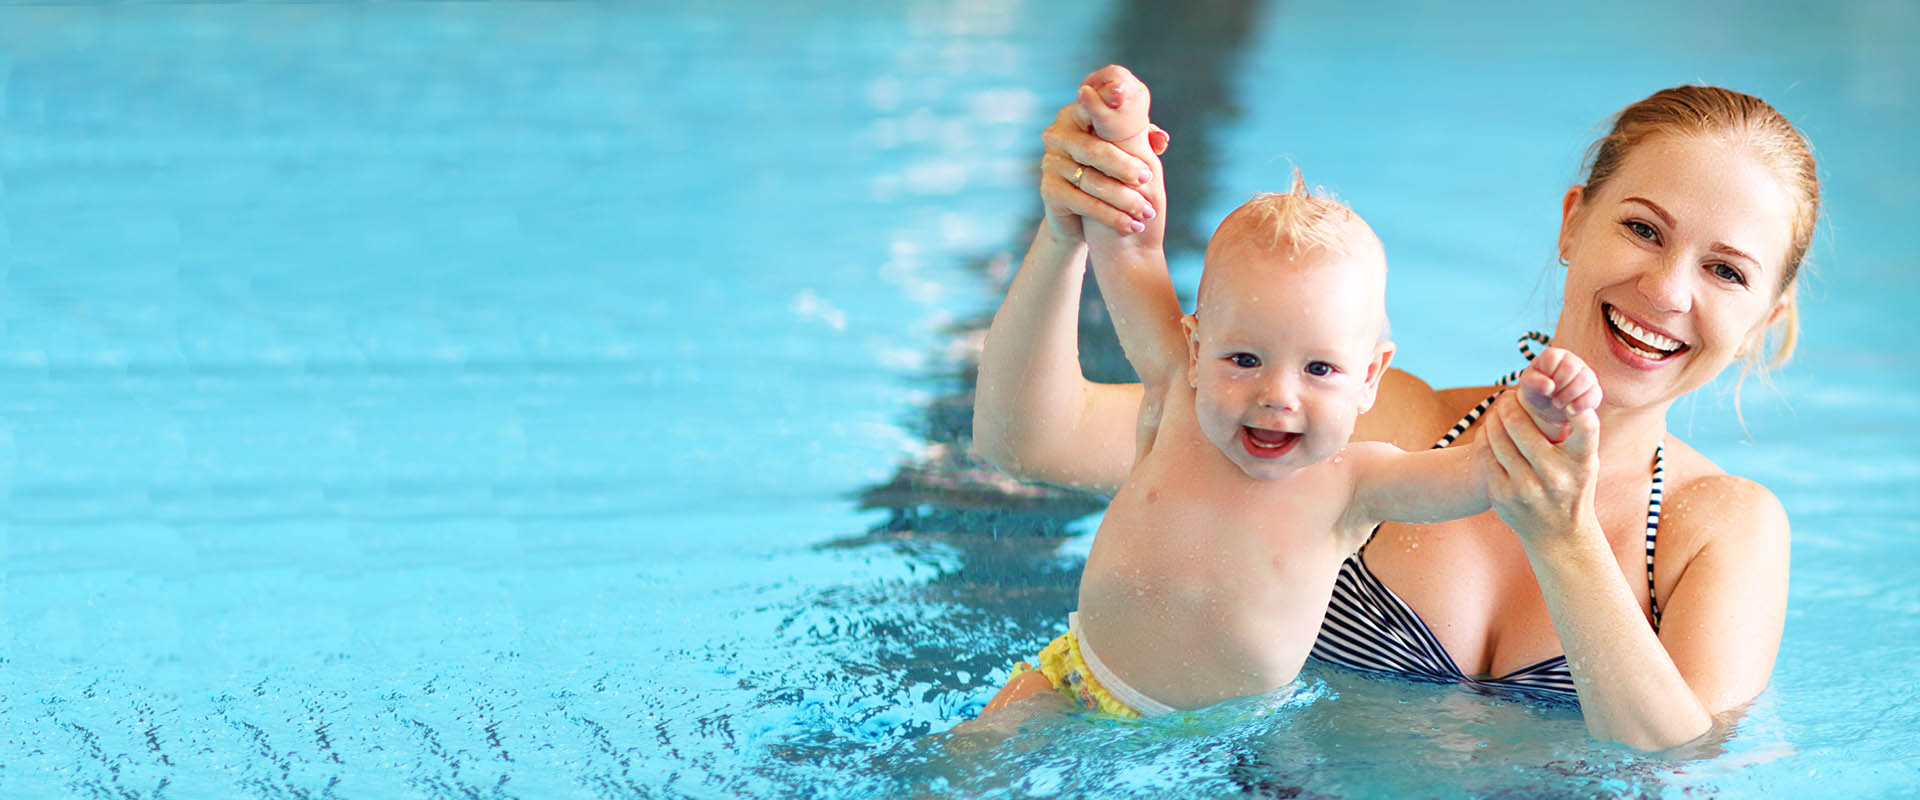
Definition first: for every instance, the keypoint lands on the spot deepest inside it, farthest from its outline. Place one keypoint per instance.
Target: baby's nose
(1280, 395)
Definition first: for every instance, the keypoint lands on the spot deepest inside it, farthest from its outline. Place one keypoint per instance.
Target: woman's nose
(1669, 285)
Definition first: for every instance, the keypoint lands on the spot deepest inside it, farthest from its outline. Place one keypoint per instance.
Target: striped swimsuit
(1370, 629)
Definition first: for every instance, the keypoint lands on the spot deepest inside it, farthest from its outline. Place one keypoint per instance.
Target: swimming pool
(559, 400)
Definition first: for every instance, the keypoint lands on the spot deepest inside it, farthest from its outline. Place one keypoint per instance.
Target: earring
(1563, 261)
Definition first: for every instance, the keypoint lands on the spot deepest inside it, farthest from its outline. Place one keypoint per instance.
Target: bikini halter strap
(1525, 344)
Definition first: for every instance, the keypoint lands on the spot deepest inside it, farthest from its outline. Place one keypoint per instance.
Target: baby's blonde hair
(1293, 222)
(1299, 218)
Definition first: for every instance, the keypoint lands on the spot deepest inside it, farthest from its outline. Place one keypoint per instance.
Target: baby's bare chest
(1188, 520)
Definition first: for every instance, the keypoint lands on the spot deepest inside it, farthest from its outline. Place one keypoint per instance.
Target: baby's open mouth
(1263, 443)
(1640, 341)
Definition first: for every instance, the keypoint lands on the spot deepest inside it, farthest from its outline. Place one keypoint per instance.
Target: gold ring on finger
(1077, 172)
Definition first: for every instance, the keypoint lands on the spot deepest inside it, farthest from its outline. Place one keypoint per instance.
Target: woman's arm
(1723, 618)
(1721, 627)
(1035, 415)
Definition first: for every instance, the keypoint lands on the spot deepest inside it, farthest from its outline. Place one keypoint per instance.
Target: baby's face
(1285, 356)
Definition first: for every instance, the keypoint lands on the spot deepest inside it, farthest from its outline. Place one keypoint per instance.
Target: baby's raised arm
(1449, 483)
(1132, 269)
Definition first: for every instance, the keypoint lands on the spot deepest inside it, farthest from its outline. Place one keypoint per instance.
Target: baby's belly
(1191, 635)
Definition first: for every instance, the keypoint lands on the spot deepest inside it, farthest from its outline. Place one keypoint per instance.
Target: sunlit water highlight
(472, 400)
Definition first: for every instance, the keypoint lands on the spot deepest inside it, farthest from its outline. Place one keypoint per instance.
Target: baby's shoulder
(1332, 482)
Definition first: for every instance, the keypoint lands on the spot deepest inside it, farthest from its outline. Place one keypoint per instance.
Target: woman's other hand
(1542, 490)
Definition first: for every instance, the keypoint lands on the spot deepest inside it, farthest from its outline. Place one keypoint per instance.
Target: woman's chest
(1470, 582)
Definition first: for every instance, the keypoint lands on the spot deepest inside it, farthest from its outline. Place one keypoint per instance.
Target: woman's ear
(1780, 307)
(1569, 212)
(1758, 336)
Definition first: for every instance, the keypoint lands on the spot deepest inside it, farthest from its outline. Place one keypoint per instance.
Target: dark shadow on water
(1189, 54)
(994, 540)
(990, 581)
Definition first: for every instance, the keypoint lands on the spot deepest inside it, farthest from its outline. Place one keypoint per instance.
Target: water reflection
(946, 492)
(1000, 580)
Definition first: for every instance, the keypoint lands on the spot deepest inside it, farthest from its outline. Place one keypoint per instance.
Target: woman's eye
(1727, 273)
(1321, 369)
(1643, 230)
(1244, 360)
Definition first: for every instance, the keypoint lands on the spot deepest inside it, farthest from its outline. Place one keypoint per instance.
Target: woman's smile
(1641, 346)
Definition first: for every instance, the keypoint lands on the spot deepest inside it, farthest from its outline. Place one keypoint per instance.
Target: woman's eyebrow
(1665, 218)
(1730, 250)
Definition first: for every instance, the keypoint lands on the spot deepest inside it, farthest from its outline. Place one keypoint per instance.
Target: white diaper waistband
(1147, 706)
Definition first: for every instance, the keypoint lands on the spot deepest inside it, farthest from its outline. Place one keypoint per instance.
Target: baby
(1212, 570)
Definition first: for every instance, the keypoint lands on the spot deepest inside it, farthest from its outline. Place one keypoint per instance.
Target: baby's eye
(1643, 230)
(1321, 369)
(1727, 273)
(1244, 360)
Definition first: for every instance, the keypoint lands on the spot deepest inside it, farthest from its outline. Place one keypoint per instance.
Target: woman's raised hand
(1084, 176)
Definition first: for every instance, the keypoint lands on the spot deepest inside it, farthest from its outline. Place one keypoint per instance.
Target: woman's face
(1674, 266)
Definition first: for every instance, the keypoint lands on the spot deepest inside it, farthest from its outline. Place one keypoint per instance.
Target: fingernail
(1110, 93)
(1136, 226)
(1147, 213)
(1146, 176)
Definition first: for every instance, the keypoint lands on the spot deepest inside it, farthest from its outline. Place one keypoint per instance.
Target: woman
(1682, 249)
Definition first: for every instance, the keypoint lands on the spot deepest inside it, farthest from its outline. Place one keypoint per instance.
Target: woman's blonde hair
(1748, 122)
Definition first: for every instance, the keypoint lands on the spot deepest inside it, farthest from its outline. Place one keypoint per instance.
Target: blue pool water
(565, 400)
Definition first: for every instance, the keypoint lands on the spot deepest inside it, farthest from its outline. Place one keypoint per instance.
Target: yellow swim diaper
(1064, 667)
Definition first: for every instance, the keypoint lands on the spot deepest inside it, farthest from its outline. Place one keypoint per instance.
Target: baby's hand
(1118, 104)
(1556, 387)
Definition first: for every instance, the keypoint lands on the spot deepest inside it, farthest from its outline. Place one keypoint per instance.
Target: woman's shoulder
(1704, 503)
(1411, 414)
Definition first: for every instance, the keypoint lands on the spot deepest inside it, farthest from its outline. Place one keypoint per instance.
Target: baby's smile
(1263, 443)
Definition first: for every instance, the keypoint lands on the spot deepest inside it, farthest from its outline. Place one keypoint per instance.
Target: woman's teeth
(1643, 342)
